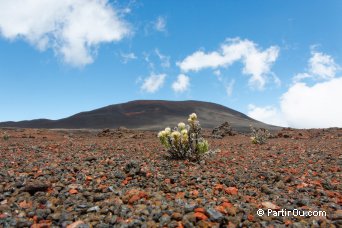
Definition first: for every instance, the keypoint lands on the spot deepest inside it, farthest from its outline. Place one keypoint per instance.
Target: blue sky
(277, 61)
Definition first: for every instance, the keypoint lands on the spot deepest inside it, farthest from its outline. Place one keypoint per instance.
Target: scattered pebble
(122, 178)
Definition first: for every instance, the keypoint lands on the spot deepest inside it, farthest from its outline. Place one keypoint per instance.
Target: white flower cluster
(164, 133)
(184, 140)
(163, 137)
(192, 118)
(5, 136)
(203, 146)
(178, 135)
(181, 126)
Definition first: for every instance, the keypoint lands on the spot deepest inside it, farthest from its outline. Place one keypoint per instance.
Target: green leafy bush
(185, 141)
(260, 135)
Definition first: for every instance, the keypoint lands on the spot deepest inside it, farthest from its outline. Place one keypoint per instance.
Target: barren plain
(123, 178)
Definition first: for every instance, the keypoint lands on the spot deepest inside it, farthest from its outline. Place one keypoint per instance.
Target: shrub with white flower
(5, 136)
(185, 140)
(260, 135)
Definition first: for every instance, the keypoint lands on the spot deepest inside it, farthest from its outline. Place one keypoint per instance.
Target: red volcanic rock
(200, 216)
(231, 191)
(61, 178)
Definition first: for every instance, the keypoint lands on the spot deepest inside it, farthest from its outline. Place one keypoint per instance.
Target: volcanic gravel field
(122, 178)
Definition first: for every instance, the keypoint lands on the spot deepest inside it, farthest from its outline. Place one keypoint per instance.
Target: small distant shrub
(185, 141)
(260, 135)
(5, 136)
(222, 131)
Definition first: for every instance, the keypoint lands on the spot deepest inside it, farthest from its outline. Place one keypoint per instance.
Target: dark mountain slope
(147, 114)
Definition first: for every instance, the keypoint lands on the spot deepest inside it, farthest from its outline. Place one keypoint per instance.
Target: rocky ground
(51, 178)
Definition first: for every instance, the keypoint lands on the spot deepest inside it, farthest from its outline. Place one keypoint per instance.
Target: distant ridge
(148, 115)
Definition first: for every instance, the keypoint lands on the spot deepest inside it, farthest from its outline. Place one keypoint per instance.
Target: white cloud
(160, 24)
(322, 65)
(165, 60)
(72, 28)
(181, 84)
(267, 114)
(257, 63)
(318, 106)
(301, 76)
(153, 83)
(200, 60)
(304, 106)
(230, 87)
(126, 57)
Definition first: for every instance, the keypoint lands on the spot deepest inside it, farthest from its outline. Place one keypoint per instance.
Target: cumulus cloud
(308, 106)
(257, 62)
(200, 60)
(268, 114)
(320, 67)
(160, 24)
(181, 84)
(316, 106)
(304, 106)
(72, 28)
(153, 83)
